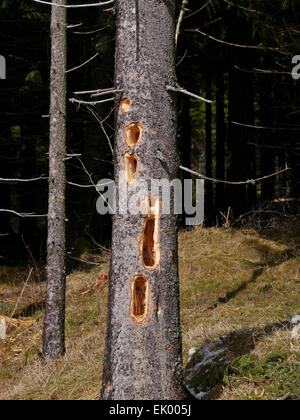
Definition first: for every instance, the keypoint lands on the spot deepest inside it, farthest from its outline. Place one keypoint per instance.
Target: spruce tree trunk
(267, 153)
(237, 168)
(251, 149)
(185, 143)
(143, 347)
(293, 154)
(220, 138)
(53, 334)
(186, 135)
(250, 169)
(208, 156)
(28, 227)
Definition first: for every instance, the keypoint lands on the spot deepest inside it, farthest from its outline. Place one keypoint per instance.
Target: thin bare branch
(88, 92)
(75, 25)
(89, 185)
(20, 297)
(84, 261)
(182, 58)
(265, 146)
(180, 19)
(9, 180)
(71, 156)
(94, 31)
(94, 95)
(263, 71)
(199, 10)
(93, 184)
(91, 103)
(261, 127)
(102, 126)
(246, 9)
(83, 64)
(106, 250)
(70, 6)
(232, 44)
(285, 397)
(249, 181)
(23, 215)
(186, 92)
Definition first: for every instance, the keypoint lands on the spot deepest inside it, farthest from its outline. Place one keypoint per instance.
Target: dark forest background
(251, 129)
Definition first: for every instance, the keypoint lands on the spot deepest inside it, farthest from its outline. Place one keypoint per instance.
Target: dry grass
(76, 376)
(232, 282)
(241, 285)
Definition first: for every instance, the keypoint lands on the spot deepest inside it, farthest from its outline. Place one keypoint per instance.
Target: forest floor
(239, 284)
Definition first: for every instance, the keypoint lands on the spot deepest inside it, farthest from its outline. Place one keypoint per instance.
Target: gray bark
(54, 334)
(143, 348)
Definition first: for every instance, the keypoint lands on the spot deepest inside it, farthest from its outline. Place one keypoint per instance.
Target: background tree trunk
(184, 141)
(208, 156)
(143, 348)
(220, 138)
(267, 153)
(54, 334)
(237, 168)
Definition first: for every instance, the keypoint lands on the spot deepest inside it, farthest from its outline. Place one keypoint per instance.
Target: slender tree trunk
(54, 334)
(5, 190)
(186, 132)
(267, 153)
(250, 149)
(143, 346)
(294, 161)
(28, 227)
(7, 157)
(237, 170)
(220, 139)
(208, 155)
(185, 142)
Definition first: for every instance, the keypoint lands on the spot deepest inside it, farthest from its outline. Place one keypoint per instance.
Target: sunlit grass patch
(239, 285)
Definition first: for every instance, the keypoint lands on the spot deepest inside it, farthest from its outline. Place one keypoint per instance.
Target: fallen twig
(20, 297)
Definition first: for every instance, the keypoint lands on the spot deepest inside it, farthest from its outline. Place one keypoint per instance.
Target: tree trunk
(237, 168)
(208, 156)
(54, 334)
(220, 139)
(28, 202)
(143, 347)
(293, 143)
(250, 148)
(186, 136)
(184, 143)
(267, 153)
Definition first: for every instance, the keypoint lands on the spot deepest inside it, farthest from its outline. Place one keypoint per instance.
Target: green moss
(274, 373)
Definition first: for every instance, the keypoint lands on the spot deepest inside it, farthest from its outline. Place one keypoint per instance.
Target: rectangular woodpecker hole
(130, 167)
(139, 298)
(148, 242)
(133, 133)
(150, 245)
